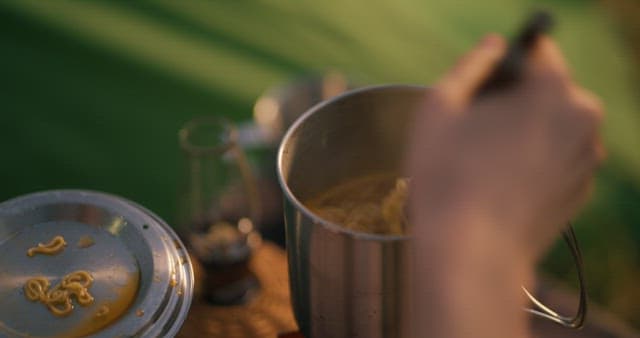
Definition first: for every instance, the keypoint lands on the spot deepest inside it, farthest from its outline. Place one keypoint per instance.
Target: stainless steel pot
(345, 283)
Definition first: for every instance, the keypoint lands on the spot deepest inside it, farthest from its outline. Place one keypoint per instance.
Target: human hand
(521, 159)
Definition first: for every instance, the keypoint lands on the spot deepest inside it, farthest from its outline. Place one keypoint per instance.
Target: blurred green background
(93, 92)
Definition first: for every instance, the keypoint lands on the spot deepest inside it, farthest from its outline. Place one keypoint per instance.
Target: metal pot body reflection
(343, 283)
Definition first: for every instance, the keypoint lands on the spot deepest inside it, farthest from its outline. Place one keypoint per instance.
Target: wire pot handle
(544, 311)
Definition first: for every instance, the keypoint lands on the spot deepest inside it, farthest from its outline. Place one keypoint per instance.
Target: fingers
(601, 151)
(593, 109)
(459, 85)
(587, 117)
(588, 156)
(577, 194)
(547, 63)
(548, 73)
(587, 120)
(590, 104)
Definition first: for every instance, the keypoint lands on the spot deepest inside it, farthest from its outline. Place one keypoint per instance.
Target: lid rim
(169, 259)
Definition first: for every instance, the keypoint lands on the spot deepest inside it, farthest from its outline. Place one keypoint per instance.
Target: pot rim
(291, 196)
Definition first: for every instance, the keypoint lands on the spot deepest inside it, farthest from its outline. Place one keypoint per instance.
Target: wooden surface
(266, 315)
(269, 314)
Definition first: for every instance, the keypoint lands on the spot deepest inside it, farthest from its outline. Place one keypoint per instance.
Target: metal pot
(345, 283)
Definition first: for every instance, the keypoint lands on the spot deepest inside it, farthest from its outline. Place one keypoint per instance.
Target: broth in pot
(373, 203)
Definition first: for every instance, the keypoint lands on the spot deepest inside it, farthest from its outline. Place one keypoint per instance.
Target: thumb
(459, 85)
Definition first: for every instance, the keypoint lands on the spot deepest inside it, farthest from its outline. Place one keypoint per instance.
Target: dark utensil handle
(509, 69)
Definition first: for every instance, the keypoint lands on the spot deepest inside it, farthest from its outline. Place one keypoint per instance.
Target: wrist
(470, 274)
(470, 239)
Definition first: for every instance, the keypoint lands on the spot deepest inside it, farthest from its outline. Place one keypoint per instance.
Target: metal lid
(141, 270)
